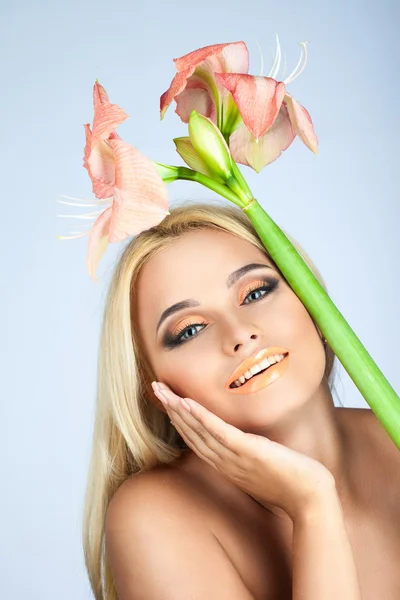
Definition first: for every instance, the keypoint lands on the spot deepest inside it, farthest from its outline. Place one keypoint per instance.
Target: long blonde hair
(130, 433)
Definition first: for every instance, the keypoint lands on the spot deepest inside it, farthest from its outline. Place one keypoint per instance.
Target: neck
(318, 430)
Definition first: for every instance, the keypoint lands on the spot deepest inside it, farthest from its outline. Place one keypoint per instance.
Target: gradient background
(342, 206)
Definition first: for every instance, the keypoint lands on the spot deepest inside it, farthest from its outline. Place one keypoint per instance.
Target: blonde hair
(130, 433)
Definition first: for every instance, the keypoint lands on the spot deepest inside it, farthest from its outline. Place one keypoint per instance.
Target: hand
(264, 469)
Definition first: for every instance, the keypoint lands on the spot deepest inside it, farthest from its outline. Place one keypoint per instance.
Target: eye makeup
(172, 339)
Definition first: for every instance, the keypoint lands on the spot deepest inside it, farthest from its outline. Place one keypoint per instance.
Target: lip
(263, 378)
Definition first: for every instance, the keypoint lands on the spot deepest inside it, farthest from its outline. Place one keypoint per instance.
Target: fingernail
(161, 397)
(154, 385)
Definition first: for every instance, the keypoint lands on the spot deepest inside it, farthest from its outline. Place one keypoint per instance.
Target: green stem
(219, 188)
(362, 369)
(237, 173)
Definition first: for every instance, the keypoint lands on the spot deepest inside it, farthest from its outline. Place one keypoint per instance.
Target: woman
(315, 514)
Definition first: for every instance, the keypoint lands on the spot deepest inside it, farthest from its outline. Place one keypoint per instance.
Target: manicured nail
(161, 397)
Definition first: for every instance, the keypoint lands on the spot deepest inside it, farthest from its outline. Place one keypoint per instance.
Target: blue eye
(256, 290)
(171, 341)
(184, 331)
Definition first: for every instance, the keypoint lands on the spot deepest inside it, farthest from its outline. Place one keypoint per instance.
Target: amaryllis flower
(255, 114)
(271, 117)
(120, 175)
(195, 87)
(233, 117)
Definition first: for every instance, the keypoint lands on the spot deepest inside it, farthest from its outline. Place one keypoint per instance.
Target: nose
(241, 338)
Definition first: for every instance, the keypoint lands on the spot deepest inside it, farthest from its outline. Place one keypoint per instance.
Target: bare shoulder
(364, 422)
(384, 444)
(381, 457)
(162, 489)
(161, 494)
(159, 545)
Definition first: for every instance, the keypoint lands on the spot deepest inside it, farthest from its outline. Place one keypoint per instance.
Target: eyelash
(171, 341)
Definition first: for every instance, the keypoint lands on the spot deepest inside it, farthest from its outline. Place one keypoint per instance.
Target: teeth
(264, 364)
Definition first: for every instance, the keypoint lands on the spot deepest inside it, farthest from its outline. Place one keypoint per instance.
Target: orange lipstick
(260, 380)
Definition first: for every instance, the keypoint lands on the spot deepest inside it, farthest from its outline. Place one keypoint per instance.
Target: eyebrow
(190, 303)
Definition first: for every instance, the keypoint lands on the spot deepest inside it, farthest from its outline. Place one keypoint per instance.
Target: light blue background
(342, 206)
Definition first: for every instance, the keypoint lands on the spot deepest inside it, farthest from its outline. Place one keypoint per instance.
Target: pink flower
(267, 118)
(120, 174)
(195, 87)
(271, 117)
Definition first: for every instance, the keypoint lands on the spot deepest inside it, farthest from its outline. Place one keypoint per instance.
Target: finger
(222, 437)
(196, 448)
(189, 429)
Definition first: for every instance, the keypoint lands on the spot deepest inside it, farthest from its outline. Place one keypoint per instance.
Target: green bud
(209, 143)
(184, 148)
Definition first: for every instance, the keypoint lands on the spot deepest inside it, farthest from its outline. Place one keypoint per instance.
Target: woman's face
(195, 350)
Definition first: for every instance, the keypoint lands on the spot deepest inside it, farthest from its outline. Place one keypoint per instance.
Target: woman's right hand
(268, 471)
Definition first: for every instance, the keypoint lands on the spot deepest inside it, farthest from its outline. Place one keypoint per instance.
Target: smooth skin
(268, 471)
(299, 485)
(296, 410)
(157, 548)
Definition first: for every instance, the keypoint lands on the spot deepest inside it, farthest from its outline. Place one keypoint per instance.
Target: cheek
(187, 376)
(310, 355)
(299, 332)
(295, 321)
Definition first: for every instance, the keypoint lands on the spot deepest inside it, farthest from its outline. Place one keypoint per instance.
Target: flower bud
(209, 143)
(184, 148)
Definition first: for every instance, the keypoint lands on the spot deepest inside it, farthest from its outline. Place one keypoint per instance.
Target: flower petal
(232, 57)
(194, 99)
(100, 95)
(301, 123)
(178, 84)
(220, 58)
(258, 154)
(140, 195)
(106, 116)
(98, 241)
(99, 162)
(102, 170)
(88, 147)
(257, 98)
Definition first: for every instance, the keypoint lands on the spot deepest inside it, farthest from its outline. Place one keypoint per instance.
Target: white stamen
(297, 71)
(284, 68)
(93, 202)
(73, 237)
(80, 204)
(92, 215)
(261, 57)
(82, 225)
(101, 202)
(277, 61)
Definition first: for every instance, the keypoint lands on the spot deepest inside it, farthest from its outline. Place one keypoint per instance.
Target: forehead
(196, 263)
